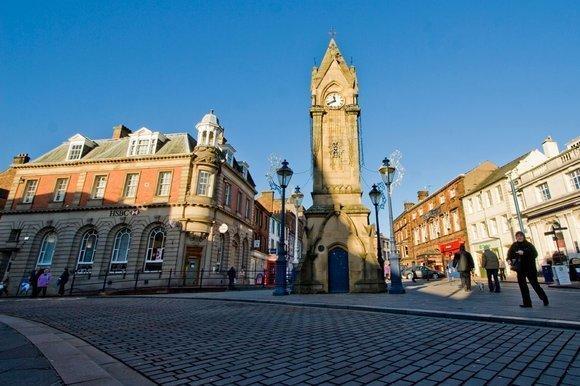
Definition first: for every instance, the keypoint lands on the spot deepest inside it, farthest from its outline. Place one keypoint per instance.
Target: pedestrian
(43, 281)
(231, 278)
(502, 276)
(491, 264)
(33, 279)
(62, 280)
(463, 262)
(414, 272)
(450, 271)
(387, 272)
(522, 257)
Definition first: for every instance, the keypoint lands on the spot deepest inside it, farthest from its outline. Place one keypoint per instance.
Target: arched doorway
(337, 270)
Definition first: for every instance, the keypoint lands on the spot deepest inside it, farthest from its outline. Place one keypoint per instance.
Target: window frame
(152, 264)
(28, 195)
(116, 265)
(72, 150)
(61, 190)
(95, 189)
(574, 179)
(85, 267)
(203, 183)
(227, 194)
(126, 186)
(544, 192)
(43, 250)
(160, 183)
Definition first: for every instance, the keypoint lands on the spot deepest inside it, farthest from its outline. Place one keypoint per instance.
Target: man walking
(463, 262)
(491, 264)
(522, 256)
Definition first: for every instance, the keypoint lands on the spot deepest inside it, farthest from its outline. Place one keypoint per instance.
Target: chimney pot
(20, 159)
(120, 131)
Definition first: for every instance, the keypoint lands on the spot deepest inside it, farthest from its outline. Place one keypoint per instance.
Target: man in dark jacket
(522, 257)
(231, 277)
(491, 264)
(62, 280)
(463, 262)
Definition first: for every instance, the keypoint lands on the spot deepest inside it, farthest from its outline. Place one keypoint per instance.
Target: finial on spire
(332, 33)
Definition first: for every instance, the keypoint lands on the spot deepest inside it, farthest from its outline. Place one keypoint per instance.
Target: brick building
(142, 205)
(274, 206)
(433, 229)
(260, 252)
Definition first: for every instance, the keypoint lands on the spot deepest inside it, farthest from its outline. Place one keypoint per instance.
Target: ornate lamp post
(297, 197)
(375, 196)
(387, 172)
(284, 175)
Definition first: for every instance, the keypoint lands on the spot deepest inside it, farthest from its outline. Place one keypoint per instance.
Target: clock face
(334, 100)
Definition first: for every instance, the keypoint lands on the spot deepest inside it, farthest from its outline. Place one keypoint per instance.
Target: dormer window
(144, 142)
(79, 145)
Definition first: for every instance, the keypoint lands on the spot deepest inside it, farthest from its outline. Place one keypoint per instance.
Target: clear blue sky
(450, 84)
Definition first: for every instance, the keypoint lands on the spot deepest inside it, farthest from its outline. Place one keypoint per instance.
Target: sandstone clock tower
(340, 255)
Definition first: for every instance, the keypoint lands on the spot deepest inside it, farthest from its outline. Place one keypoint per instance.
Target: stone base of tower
(340, 253)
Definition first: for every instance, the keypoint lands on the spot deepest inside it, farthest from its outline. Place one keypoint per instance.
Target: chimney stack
(550, 147)
(120, 131)
(407, 205)
(422, 194)
(20, 159)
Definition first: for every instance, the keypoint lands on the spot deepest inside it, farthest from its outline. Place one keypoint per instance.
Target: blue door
(337, 270)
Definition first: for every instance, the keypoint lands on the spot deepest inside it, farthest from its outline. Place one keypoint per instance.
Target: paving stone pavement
(193, 341)
(21, 363)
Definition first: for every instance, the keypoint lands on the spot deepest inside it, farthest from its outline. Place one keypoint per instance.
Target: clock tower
(340, 255)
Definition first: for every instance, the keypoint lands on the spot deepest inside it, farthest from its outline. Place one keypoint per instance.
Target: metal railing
(85, 283)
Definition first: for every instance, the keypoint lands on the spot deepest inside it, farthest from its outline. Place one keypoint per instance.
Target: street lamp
(297, 197)
(284, 175)
(387, 172)
(375, 195)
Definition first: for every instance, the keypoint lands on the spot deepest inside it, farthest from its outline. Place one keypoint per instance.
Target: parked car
(574, 266)
(422, 273)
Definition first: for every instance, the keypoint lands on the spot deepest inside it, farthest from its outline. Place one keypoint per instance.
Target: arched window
(155, 249)
(87, 251)
(210, 140)
(120, 250)
(47, 249)
(204, 138)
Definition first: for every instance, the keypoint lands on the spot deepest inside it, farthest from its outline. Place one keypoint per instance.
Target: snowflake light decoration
(395, 158)
(275, 162)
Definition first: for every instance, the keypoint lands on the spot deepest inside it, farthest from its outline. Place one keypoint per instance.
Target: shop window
(87, 252)
(120, 253)
(155, 250)
(47, 248)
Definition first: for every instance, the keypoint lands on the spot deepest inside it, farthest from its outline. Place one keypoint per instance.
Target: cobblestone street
(192, 341)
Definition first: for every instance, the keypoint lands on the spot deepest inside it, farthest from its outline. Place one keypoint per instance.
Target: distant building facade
(551, 199)
(433, 229)
(144, 205)
(490, 211)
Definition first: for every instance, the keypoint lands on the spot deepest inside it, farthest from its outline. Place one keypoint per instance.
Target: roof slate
(179, 143)
(499, 173)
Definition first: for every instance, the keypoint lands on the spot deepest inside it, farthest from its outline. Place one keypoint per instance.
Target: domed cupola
(209, 131)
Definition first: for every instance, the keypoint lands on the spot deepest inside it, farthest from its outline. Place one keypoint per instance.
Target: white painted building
(490, 211)
(551, 197)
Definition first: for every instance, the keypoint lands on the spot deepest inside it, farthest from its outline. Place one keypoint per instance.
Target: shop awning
(450, 247)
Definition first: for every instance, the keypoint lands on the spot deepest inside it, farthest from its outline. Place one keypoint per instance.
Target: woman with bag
(522, 257)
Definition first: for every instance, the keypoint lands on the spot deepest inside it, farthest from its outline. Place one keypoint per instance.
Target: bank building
(140, 208)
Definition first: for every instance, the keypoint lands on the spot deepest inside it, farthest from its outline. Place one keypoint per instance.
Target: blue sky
(450, 84)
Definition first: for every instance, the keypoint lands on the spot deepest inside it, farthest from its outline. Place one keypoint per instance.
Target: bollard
(72, 283)
(136, 279)
(169, 279)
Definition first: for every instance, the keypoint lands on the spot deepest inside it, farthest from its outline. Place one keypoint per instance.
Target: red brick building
(143, 203)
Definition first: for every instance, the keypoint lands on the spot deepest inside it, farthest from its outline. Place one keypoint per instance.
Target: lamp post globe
(284, 175)
(375, 196)
(387, 172)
